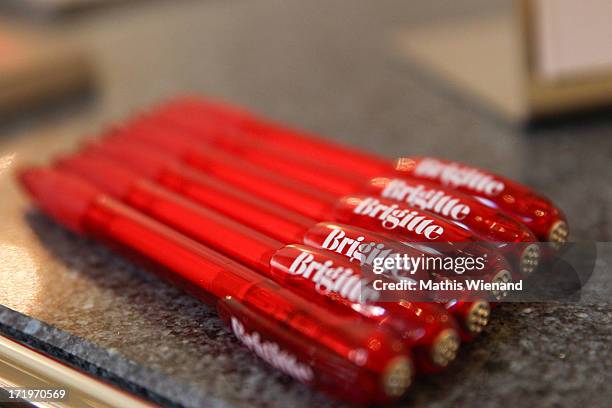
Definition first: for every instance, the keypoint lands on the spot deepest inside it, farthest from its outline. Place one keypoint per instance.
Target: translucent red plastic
(542, 217)
(265, 184)
(199, 112)
(356, 362)
(281, 189)
(535, 211)
(447, 203)
(331, 280)
(205, 190)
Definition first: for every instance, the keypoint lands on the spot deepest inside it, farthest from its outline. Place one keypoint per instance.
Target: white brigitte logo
(459, 176)
(272, 353)
(436, 201)
(391, 217)
(364, 252)
(368, 253)
(335, 279)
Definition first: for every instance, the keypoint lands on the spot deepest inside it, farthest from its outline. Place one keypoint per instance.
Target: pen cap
(191, 105)
(104, 174)
(302, 169)
(146, 162)
(304, 359)
(210, 159)
(273, 220)
(307, 201)
(64, 199)
(289, 139)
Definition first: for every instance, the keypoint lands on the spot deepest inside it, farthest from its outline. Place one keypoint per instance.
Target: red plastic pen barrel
(467, 212)
(308, 201)
(365, 212)
(312, 203)
(309, 172)
(356, 362)
(446, 203)
(324, 277)
(142, 156)
(272, 220)
(197, 110)
(449, 204)
(189, 113)
(522, 203)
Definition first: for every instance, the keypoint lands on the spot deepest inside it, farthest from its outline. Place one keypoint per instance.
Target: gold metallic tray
(25, 368)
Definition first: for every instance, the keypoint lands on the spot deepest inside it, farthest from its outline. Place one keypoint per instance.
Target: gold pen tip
(478, 316)
(398, 376)
(445, 347)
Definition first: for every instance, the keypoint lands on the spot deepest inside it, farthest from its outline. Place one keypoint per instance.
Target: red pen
(306, 170)
(274, 221)
(464, 210)
(487, 223)
(537, 212)
(425, 326)
(395, 219)
(196, 110)
(348, 358)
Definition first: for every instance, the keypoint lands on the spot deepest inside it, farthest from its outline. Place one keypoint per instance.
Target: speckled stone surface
(328, 66)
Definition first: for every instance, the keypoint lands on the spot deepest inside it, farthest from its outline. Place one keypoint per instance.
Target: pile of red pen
(274, 227)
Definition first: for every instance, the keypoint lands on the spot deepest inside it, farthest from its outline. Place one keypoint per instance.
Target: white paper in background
(573, 37)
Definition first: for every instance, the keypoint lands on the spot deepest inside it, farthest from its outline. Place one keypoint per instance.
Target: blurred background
(521, 88)
(369, 75)
(521, 61)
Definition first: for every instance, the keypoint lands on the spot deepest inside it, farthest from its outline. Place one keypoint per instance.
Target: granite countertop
(327, 66)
